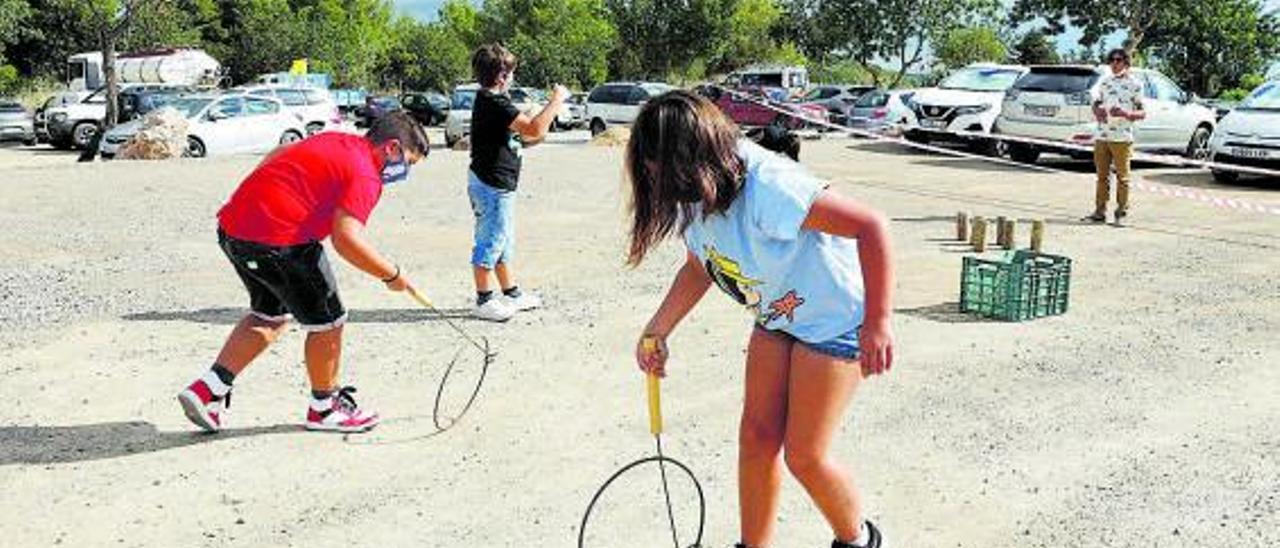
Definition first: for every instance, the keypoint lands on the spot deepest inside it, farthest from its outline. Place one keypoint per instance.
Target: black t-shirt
(495, 149)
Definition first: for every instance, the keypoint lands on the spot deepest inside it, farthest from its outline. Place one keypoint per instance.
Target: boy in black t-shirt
(499, 132)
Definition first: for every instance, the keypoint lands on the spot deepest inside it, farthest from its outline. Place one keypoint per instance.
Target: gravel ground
(1146, 416)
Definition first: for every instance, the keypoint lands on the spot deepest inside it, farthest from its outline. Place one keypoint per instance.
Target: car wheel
(1024, 154)
(30, 142)
(290, 137)
(82, 134)
(994, 148)
(314, 128)
(195, 148)
(1198, 147)
(597, 127)
(1226, 177)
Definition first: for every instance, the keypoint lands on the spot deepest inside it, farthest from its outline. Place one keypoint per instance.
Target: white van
(619, 103)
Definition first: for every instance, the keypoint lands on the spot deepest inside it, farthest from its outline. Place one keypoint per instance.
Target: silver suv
(1055, 103)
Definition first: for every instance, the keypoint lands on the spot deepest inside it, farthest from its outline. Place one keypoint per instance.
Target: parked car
(314, 106)
(374, 107)
(458, 123)
(619, 103)
(744, 106)
(1055, 103)
(880, 110)
(835, 98)
(60, 99)
(16, 123)
(1250, 134)
(428, 108)
(969, 100)
(229, 123)
(794, 79)
(136, 102)
(574, 113)
(76, 124)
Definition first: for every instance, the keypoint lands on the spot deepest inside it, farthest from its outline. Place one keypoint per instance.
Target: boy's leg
(249, 338)
(760, 435)
(491, 241)
(323, 352)
(820, 389)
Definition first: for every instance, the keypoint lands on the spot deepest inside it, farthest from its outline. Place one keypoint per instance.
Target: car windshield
(189, 106)
(1055, 81)
(463, 99)
(1266, 97)
(816, 94)
(981, 79)
(872, 99)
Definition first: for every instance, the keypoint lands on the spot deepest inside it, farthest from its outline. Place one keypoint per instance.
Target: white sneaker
(526, 301)
(495, 310)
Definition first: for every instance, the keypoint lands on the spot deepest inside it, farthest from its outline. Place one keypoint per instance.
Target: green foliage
(1215, 44)
(660, 38)
(9, 80)
(964, 46)
(557, 41)
(1035, 48)
(1249, 83)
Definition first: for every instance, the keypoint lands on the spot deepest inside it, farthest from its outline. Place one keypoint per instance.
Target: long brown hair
(682, 160)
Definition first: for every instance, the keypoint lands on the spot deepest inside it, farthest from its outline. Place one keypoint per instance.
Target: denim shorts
(843, 346)
(495, 211)
(282, 281)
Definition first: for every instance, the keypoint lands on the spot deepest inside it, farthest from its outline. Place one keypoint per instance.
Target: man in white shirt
(1118, 106)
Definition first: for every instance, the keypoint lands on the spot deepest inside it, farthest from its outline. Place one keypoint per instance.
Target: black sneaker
(873, 540)
(1120, 215)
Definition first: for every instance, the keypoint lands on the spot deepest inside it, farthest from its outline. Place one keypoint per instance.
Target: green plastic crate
(1025, 286)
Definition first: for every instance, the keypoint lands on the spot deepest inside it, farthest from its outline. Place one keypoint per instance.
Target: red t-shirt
(290, 199)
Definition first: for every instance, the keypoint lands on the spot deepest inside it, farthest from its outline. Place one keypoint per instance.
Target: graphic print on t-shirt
(728, 276)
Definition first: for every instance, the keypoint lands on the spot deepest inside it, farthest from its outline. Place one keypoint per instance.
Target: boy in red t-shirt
(271, 230)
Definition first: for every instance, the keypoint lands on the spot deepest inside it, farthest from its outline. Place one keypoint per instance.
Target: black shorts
(284, 281)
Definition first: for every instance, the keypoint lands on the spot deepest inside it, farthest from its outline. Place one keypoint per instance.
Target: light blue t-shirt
(805, 283)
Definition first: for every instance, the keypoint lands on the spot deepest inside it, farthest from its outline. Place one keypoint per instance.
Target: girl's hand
(875, 340)
(652, 358)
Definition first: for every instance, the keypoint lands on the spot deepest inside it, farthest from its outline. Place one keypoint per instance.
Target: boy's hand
(875, 340)
(652, 360)
(559, 94)
(398, 283)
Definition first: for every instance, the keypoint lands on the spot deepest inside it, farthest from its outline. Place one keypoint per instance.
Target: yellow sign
(299, 67)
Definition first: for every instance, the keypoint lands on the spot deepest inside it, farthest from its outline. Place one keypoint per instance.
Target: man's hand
(1099, 113)
(1119, 113)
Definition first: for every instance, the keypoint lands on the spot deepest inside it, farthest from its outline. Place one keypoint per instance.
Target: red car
(744, 106)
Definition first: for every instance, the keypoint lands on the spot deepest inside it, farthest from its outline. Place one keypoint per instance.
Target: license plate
(1037, 110)
(1254, 153)
(935, 124)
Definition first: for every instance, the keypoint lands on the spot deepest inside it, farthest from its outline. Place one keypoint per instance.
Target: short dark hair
(489, 62)
(399, 125)
(1121, 53)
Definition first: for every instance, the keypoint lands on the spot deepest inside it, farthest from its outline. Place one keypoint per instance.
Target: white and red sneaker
(203, 407)
(341, 415)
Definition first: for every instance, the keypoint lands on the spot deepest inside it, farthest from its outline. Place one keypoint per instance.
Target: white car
(74, 125)
(620, 102)
(315, 106)
(222, 124)
(457, 124)
(968, 100)
(1250, 134)
(1055, 103)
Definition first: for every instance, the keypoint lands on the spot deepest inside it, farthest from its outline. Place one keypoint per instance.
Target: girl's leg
(820, 389)
(760, 434)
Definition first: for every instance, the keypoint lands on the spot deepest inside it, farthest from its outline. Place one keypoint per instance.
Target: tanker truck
(148, 72)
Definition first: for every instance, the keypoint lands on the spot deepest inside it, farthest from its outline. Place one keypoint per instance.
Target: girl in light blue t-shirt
(811, 267)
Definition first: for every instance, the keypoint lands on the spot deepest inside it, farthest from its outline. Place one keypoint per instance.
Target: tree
(872, 32)
(557, 41)
(964, 46)
(1216, 43)
(1035, 48)
(750, 38)
(1098, 19)
(662, 38)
